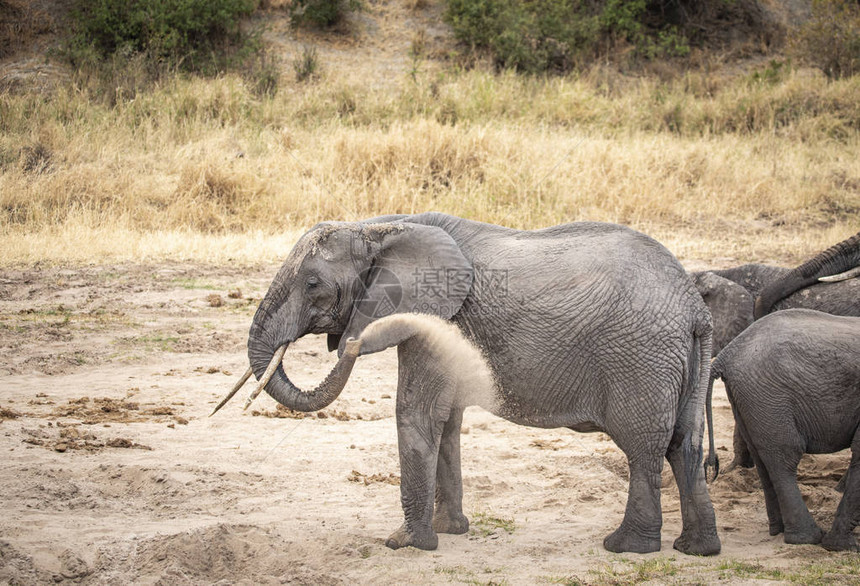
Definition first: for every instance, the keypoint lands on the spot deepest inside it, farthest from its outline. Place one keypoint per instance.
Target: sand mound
(209, 554)
(15, 567)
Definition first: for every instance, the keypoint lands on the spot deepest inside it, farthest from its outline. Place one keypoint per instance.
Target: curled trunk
(282, 389)
(836, 259)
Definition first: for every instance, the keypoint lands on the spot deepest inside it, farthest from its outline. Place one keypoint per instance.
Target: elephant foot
(624, 539)
(811, 535)
(839, 542)
(696, 543)
(427, 540)
(454, 524)
(775, 527)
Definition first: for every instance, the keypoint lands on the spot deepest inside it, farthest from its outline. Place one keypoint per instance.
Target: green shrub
(830, 39)
(194, 35)
(321, 13)
(307, 65)
(559, 35)
(542, 35)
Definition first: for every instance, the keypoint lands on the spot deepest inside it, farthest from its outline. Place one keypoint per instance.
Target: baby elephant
(793, 380)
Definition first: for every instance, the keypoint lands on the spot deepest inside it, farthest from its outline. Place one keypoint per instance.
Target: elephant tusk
(849, 274)
(267, 376)
(235, 389)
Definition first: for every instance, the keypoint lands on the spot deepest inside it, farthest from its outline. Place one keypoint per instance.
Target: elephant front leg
(418, 443)
(640, 530)
(449, 517)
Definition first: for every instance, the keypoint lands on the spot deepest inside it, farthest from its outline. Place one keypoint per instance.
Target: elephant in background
(730, 303)
(732, 296)
(827, 282)
(839, 263)
(793, 380)
(589, 326)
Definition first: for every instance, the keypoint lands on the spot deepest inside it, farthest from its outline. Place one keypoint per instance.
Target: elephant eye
(313, 283)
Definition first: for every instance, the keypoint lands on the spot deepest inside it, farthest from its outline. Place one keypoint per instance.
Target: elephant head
(338, 278)
(731, 306)
(840, 261)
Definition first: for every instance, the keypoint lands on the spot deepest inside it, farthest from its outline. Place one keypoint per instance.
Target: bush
(307, 66)
(544, 35)
(321, 13)
(194, 35)
(558, 35)
(830, 39)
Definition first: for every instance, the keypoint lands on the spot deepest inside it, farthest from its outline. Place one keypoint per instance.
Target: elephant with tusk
(589, 326)
(838, 263)
(827, 282)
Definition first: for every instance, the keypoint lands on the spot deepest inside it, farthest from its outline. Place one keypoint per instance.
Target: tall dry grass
(721, 170)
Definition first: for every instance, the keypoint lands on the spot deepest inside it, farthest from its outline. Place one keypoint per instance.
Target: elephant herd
(787, 346)
(590, 326)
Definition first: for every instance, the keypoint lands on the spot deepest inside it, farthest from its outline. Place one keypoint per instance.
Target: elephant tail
(712, 461)
(689, 424)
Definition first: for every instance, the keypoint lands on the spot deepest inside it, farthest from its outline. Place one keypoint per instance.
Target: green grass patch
(485, 524)
(154, 342)
(192, 283)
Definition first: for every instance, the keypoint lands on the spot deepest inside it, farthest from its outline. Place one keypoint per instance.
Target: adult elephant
(731, 294)
(840, 262)
(589, 326)
(731, 306)
(826, 283)
(734, 295)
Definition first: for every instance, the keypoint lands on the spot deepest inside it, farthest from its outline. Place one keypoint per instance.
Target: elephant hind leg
(742, 457)
(840, 536)
(777, 466)
(640, 530)
(699, 532)
(771, 502)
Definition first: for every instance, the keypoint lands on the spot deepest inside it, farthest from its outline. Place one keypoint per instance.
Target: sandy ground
(113, 473)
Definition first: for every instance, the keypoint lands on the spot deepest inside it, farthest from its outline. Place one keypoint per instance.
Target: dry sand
(113, 473)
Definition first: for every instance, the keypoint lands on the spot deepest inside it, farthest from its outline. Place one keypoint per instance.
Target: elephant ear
(413, 269)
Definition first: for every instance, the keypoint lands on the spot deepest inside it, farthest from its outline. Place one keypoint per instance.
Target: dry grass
(719, 170)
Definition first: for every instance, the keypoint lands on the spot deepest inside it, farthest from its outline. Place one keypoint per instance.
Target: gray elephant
(840, 262)
(829, 285)
(589, 326)
(793, 380)
(731, 294)
(731, 306)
